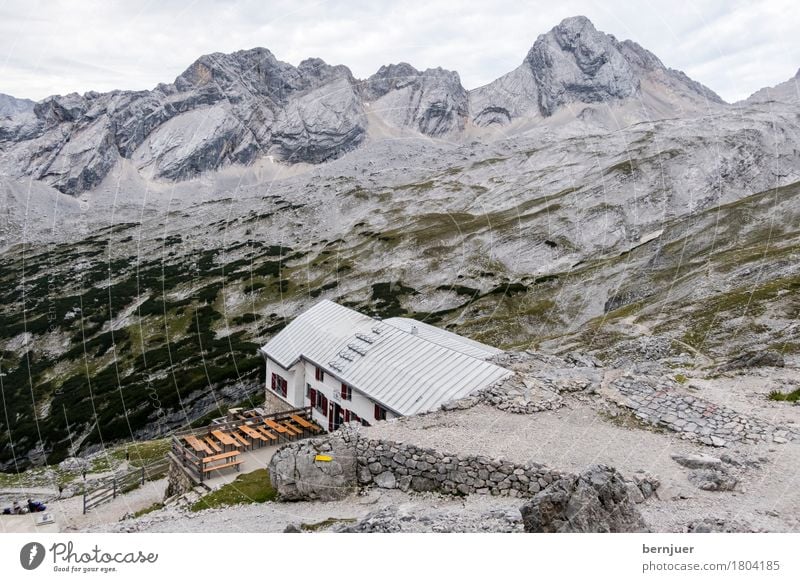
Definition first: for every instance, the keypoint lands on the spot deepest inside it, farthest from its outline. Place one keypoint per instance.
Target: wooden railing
(304, 412)
(107, 489)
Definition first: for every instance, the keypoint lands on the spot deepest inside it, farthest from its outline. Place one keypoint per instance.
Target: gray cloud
(734, 47)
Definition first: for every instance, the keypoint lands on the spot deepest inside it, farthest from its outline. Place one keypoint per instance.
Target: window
(321, 404)
(380, 413)
(311, 394)
(279, 385)
(319, 375)
(347, 392)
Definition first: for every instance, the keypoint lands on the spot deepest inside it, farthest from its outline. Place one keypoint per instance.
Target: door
(336, 417)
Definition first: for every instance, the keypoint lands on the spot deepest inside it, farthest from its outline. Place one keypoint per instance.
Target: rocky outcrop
(432, 102)
(595, 501)
(754, 360)
(296, 473)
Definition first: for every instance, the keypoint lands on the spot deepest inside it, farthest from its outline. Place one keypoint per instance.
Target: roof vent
(335, 366)
(414, 330)
(357, 349)
(376, 330)
(345, 356)
(364, 338)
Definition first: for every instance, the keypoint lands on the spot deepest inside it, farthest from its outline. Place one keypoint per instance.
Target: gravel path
(571, 438)
(419, 512)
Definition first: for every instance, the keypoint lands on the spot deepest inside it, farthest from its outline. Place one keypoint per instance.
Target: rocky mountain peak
(576, 62)
(432, 102)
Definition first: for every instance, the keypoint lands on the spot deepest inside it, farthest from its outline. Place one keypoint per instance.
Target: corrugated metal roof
(407, 373)
(448, 339)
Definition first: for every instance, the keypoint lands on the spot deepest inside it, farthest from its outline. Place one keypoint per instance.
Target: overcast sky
(46, 47)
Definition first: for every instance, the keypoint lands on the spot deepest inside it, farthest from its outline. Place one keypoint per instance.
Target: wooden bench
(240, 439)
(213, 444)
(266, 433)
(229, 459)
(293, 430)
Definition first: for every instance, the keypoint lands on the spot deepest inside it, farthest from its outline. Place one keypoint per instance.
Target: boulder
(713, 479)
(714, 525)
(597, 500)
(297, 475)
(692, 461)
(386, 480)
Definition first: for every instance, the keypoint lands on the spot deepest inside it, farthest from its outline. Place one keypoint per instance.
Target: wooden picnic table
(275, 426)
(304, 423)
(223, 437)
(198, 445)
(251, 433)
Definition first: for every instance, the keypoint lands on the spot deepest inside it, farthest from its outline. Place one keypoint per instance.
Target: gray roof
(405, 372)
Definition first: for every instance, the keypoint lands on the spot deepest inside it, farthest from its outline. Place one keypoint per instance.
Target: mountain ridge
(234, 108)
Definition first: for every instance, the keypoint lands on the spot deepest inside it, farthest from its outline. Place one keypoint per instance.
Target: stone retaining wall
(178, 482)
(359, 461)
(392, 465)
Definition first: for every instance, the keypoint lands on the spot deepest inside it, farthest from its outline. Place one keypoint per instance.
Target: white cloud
(734, 47)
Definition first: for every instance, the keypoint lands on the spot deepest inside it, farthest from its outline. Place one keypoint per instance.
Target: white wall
(332, 388)
(303, 373)
(294, 382)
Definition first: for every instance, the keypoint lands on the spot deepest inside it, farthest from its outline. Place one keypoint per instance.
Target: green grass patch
(252, 487)
(777, 395)
(155, 507)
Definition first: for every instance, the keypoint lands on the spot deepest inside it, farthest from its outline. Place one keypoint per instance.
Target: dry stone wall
(361, 461)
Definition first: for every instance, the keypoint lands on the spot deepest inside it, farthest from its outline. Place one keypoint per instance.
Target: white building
(349, 366)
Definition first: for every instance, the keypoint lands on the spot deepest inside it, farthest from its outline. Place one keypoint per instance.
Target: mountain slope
(12, 106)
(786, 92)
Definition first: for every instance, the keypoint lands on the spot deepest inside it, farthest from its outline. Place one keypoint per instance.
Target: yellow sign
(323, 458)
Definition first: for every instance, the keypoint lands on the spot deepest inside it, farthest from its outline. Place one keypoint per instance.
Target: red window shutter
(312, 396)
(324, 405)
(377, 412)
(344, 391)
